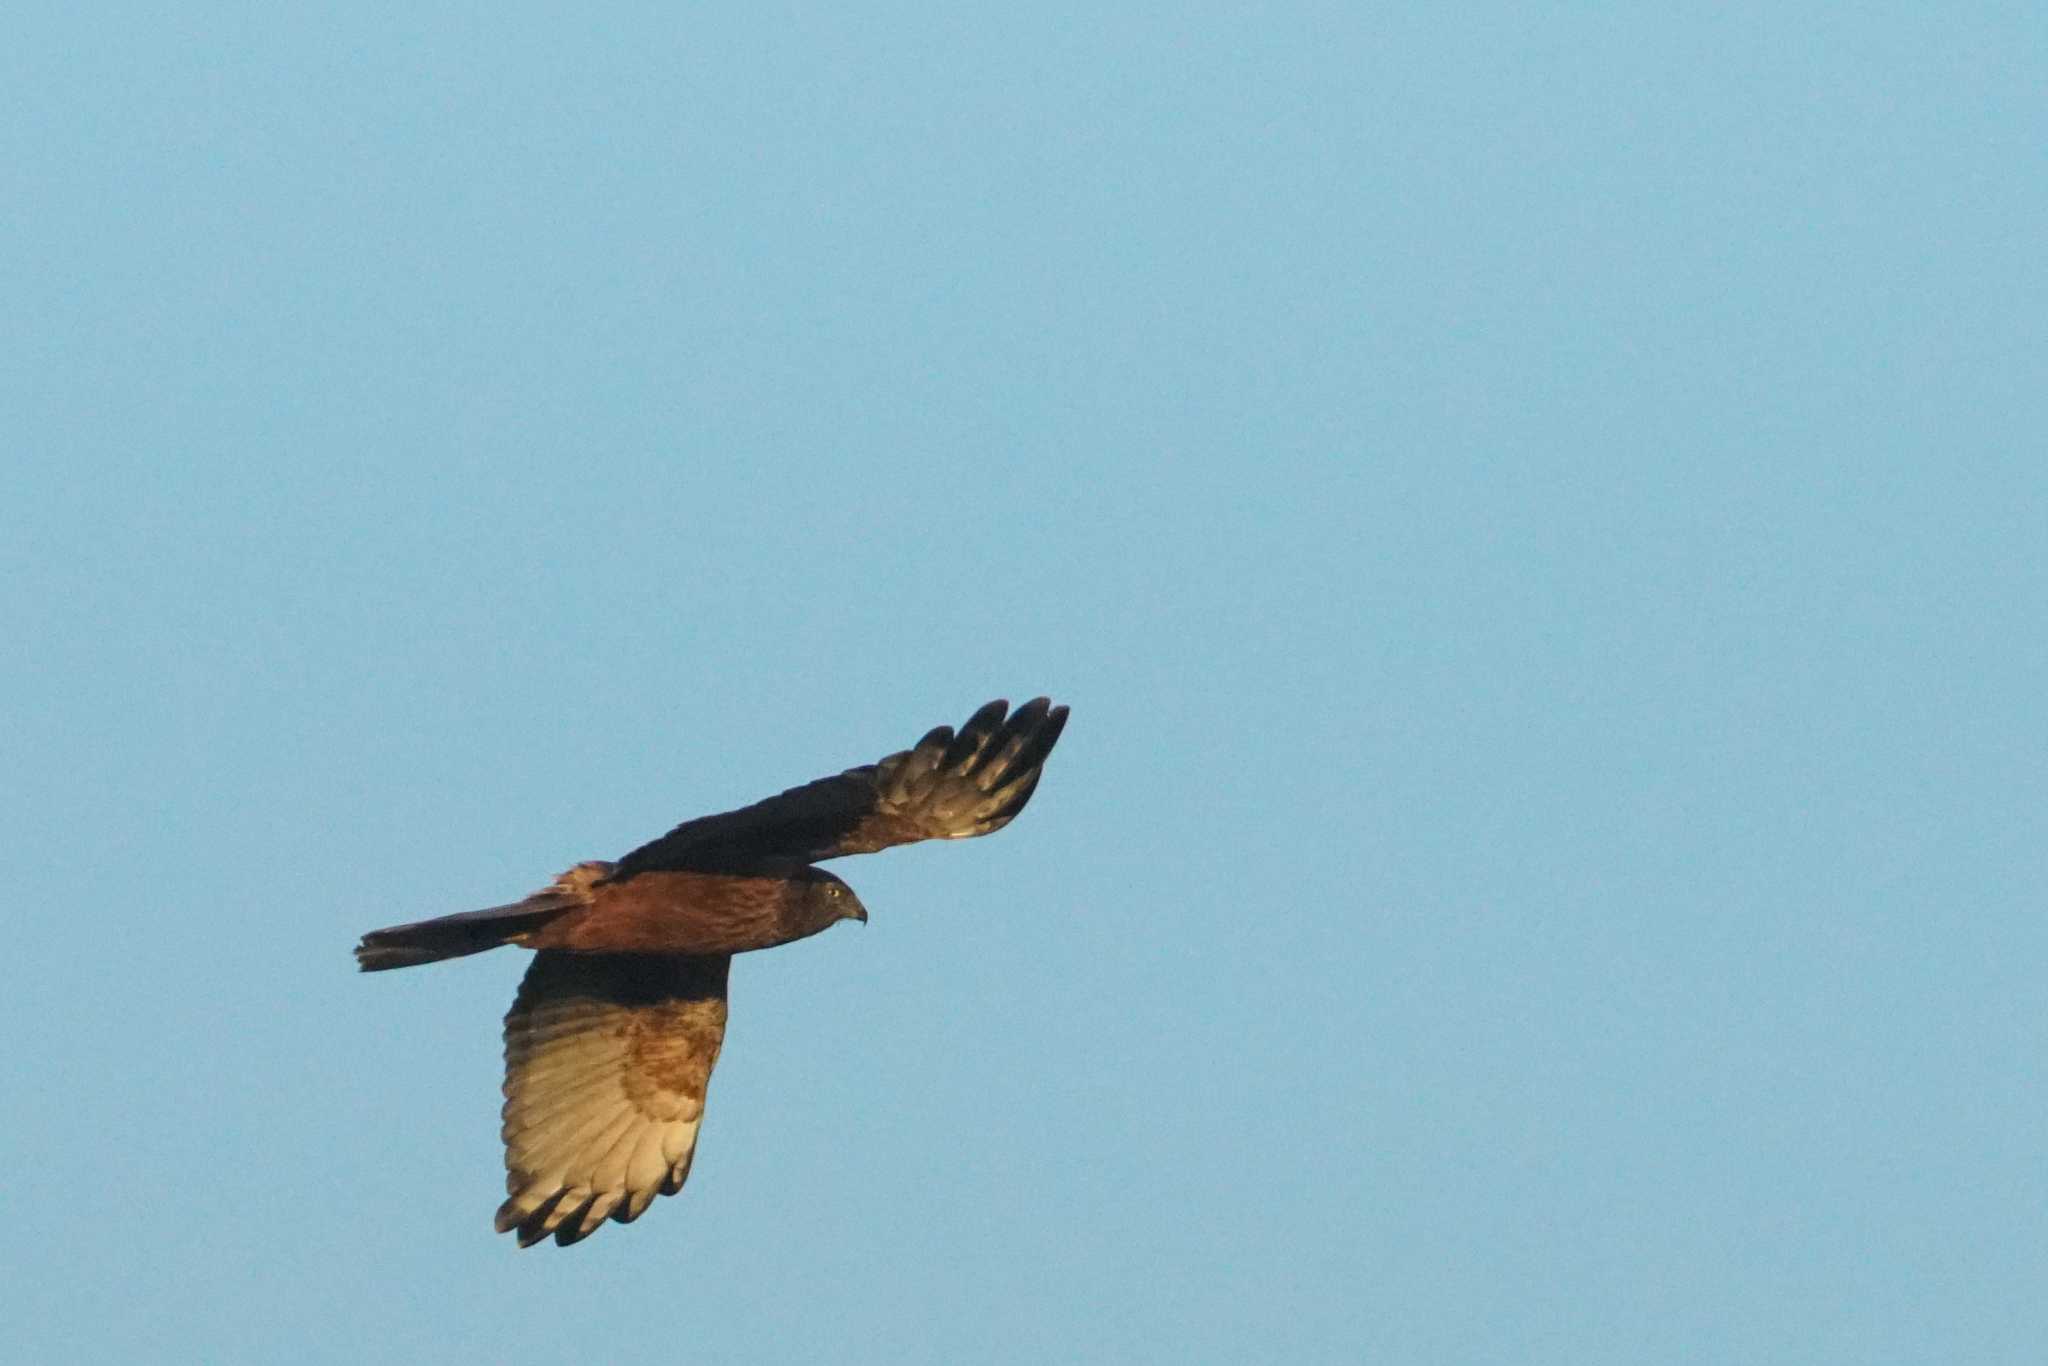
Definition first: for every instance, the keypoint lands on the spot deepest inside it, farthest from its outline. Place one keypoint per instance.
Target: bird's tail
(452, 936)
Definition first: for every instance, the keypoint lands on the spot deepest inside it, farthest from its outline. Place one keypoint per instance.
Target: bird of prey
(610, 1042)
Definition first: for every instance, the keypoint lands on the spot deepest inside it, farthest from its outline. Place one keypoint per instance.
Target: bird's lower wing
(607, 1057)
(949, 786)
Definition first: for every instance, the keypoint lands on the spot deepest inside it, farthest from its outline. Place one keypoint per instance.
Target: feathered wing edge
(957, 786)
(948, 786)
(607, 1061)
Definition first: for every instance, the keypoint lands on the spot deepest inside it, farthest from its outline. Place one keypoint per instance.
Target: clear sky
(1539, 513)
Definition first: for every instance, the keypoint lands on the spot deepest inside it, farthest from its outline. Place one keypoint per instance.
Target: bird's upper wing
(606, 1061)
(948, 787)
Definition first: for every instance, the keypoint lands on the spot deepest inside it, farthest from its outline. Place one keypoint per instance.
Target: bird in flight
(610, 1042)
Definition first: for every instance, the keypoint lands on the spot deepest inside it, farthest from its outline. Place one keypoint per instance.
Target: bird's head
(832, 900)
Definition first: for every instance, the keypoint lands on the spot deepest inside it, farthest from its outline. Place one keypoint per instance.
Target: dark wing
(949, 787)
(607, 1057)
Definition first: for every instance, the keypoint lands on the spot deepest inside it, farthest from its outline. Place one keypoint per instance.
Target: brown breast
(675, 912)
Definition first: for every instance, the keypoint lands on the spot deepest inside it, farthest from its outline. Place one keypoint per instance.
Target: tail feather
(454, 936)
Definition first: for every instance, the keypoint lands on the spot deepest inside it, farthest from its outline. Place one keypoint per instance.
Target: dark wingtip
(536, 1225)
(1049, 732)
(1031, 732)
(975, 734)
(571, 1231)
(1007, 766)
(1029, 715)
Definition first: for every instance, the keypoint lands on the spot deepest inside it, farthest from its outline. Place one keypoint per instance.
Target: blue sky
(1538, 513)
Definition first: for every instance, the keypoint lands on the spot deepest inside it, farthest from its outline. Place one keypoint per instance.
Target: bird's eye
(832, 890)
